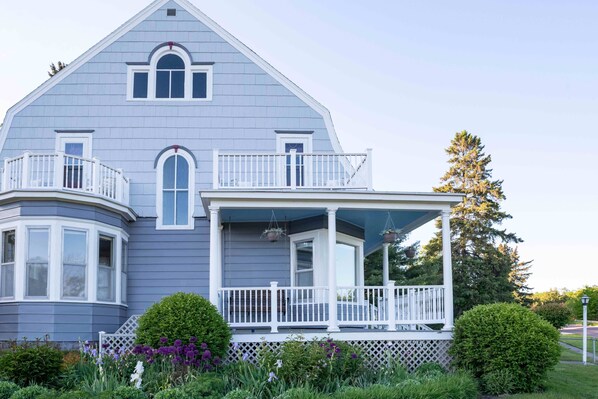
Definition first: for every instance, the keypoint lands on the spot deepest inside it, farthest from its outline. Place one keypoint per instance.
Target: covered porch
(328, 234)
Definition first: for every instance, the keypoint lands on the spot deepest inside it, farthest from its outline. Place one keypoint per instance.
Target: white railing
(292, 170)
(379, 307)
(64, 172)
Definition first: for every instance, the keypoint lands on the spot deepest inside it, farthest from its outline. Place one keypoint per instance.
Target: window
(38, 249)
(301, 143)
(106, 269)
(7, 267)
(124, 268)
(74, 264)
(75, 147)
(346, 265)
(304, 273)
(170, 75)
(175, 196)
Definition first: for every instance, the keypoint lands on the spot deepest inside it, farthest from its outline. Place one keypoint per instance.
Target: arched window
(170, 77)
(175, 192)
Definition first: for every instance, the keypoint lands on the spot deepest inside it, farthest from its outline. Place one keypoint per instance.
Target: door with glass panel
(77, 171)
(299, 164)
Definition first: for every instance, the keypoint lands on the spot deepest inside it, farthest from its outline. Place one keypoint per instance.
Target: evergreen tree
(54, 69)
(399, 264)
(485, 269)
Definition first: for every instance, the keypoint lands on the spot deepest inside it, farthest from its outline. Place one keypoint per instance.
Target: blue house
(170, 157)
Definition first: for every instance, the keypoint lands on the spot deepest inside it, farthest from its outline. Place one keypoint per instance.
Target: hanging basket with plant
(273, 232)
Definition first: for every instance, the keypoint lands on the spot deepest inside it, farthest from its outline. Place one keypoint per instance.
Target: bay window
(38, 250)
(74, 264)
(7, 266)
(106, 268)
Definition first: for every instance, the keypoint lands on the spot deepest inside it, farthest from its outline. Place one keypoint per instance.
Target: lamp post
(584, 301)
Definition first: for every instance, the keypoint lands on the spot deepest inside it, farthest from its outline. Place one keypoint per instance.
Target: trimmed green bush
(125, 392)
(300, 393)
(32, 392)
(31, 363)
(172, 393)
(7, 388)
(205, 386)
(510, 337)
(239, 394)
(428, 370)
(75, 395)
(182, 316)
(557, 314)
(498, 382)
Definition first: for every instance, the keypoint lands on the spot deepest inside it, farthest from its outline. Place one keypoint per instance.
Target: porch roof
(367, 210)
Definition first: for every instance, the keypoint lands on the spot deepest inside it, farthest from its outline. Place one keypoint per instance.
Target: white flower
(136, 376)
(279, 363)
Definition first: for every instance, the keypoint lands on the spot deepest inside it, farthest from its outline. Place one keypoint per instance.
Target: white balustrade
(358, 306)
(64, 172)
(291, 170)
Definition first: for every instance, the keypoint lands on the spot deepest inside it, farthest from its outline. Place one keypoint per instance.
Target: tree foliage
(55, 68)
(485, 268)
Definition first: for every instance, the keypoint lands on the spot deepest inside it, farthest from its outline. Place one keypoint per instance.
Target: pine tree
(398, 264)
(482, 271)
(55, 69)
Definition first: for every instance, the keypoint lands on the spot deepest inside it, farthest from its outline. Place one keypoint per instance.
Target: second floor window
(175, 190)
(170, 77)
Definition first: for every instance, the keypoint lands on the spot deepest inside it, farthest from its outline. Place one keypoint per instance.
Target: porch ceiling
(367, 210)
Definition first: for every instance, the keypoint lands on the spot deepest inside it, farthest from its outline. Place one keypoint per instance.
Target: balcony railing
(292, 170)
(64, 172)
(372, 307)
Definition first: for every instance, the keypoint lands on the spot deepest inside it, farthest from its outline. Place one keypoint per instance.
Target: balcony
(292, 171)
(61, 172)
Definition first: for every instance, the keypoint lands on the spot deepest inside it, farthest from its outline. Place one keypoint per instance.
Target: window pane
(8, 246)
(105, 284)
(305, 279)
(305, 255)
(140, 84)
(168, 207)
(162, 84)
(168, 173)
(37, 279)
(124, 257)
(73, 281)
(171, 61)
(105, 252)
(74, 250)
(346, 265)
(37, 262)
(182, 207)
(37, 251)
(7, 281)
(177, 84)
(200, 85)
(75, 149)
(182, 173)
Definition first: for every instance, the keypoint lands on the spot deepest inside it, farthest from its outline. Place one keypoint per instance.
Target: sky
(402, 77)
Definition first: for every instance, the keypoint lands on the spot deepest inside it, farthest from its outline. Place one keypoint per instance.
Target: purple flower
(272, 376)
(245, 356)
(235, 346)
(353, 355)
(217, 361)
(163, 340)
(193, 340)
(190, 354)
(94, 352)
(206, 355)
(203, 346)
(178, 342)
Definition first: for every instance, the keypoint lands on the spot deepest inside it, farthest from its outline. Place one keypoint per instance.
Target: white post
(585, 330)
(25, 175)
(5, 174)
(392, 307)
(332, 322)
(370, 173)
(447, 270)
(95, 177)
(101, 339)
(274, 306)
(59, 165)
(214, 254)
(119, 186)
(293, 174)
(215, 181)
(385, 273)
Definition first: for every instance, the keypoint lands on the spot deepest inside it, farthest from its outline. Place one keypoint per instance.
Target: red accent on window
(176, 148)
(170, 44)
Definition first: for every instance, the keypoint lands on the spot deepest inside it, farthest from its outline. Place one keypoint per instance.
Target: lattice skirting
(377, 353)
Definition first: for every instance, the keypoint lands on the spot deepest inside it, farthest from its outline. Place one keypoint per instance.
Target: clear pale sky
(402, 77)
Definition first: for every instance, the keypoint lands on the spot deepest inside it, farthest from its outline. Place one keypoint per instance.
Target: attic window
(171, 12)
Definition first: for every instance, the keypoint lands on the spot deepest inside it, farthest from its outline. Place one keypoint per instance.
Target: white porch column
(385, 273)
(447, 270)
(215, 256)
(333, 322)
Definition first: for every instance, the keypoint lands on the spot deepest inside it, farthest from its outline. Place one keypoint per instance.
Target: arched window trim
(159, 190)
(190, 69)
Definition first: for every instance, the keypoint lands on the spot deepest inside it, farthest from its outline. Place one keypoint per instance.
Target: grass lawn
(568, 381)
(576, 340)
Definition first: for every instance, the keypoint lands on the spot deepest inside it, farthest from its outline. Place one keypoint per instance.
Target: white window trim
(151, 79)
(57, 225)
(320, 240)
(116, 262)
(291, 138)
(5, 228)
(85, 138)
(86, 231)
(159, 186)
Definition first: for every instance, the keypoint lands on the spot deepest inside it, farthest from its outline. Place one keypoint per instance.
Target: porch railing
(360, 306)
(292, 170)
(60, 171)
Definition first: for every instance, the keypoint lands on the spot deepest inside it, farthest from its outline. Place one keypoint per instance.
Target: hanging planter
(390, 236)
(273, 232)
(410, 252)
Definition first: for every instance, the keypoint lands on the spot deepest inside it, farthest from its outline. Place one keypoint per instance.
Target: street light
(584, 301)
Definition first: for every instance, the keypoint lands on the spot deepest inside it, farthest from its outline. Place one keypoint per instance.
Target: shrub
(300, 393)
(75, 395)
(125, 392)
(7, 388)
(427, 370)
(239, 394)
(498, 382)
(31, 363)
(557, 314)
(574, 302)
(31, 392)
(181, 316)
(205, 386)
(502, 336)
(172, 393)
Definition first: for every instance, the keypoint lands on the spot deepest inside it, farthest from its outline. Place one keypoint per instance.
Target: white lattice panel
(130, 326)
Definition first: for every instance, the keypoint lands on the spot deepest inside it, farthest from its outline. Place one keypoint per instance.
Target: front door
(77, 171)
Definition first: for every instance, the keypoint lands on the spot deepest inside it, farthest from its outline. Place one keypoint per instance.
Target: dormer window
(170, 75)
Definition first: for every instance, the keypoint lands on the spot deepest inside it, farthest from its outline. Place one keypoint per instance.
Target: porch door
(76, 173)
(299, 165)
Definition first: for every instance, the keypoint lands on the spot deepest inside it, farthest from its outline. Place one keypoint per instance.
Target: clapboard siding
(256, 264)
(248, 106)
(162, 262)
(62, 322)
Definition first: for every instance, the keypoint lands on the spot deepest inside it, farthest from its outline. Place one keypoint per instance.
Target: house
(154, 163)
